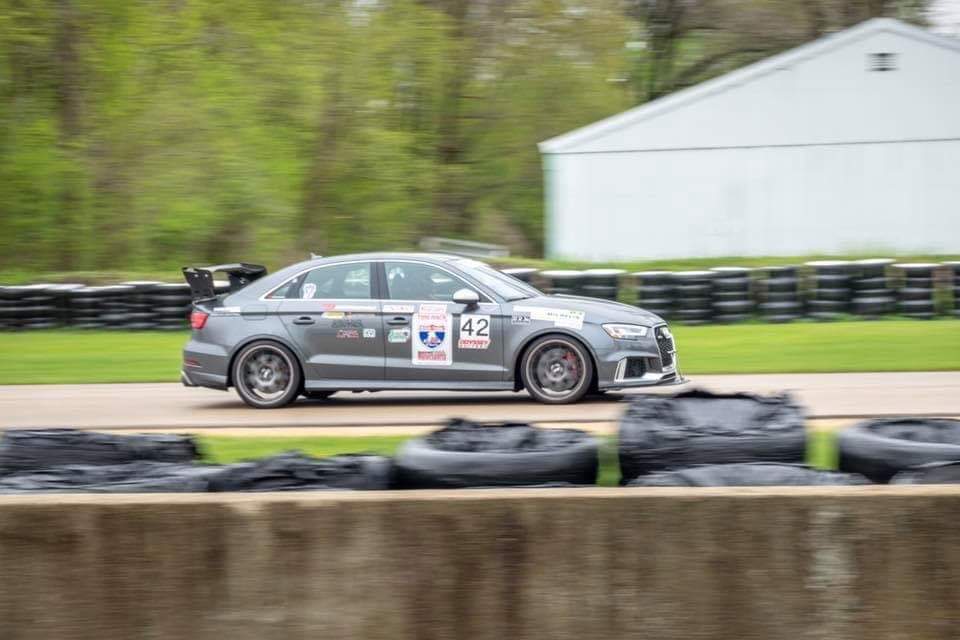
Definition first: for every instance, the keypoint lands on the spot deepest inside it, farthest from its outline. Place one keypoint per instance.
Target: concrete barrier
(791, 563)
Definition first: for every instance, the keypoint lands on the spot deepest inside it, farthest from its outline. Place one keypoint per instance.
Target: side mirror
(466, 297)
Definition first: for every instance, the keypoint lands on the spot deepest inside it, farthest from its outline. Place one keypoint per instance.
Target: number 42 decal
(474, 332)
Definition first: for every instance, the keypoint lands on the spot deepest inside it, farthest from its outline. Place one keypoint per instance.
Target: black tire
(732, 306)
(732, 284)
(296, 471)
(747, 474)
(879, 449)
(838, 295)
(465, 454)
(786, 284)
(933, 473)
(31, 449)
(913, 293)
(697, 427)
(275, 384)
(559, 362)
(792, 306)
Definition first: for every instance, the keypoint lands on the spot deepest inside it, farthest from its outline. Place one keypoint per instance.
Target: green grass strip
(62, 356)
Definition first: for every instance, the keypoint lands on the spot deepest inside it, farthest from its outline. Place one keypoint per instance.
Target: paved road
(142, 406)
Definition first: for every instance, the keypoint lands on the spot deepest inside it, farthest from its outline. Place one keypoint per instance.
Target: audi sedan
(378, 321)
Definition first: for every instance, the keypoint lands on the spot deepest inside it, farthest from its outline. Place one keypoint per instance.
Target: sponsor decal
(398, 335)
(309, 290)
(328, 306)
(356, 308)
(332, 314)
(369, 333)
(399, 308)
(566, 318)
(347, 324)
(520, 317)
(348, 334)
(474, 332)
(432, 335)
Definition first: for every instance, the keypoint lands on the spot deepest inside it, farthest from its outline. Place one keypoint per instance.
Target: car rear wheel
(266, 375)
(556, 370)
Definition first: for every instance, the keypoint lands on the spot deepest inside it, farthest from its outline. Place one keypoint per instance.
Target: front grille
(665, 344)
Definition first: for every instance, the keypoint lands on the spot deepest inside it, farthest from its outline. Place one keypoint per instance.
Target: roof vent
(884, 61)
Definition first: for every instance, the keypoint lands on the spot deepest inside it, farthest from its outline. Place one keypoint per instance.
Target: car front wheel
(266, 375)
(556, 370)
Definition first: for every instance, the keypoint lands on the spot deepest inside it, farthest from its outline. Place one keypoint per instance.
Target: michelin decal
(432, 335)
(565, 318)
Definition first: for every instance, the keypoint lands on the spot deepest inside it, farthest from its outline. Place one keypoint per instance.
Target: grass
(223, 449)
(62, 356)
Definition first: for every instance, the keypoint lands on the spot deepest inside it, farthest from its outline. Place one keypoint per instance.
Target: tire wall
(671, 564)
(822, 290)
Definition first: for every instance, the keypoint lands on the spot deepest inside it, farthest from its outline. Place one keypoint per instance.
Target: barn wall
(838, 199)
(815, 155)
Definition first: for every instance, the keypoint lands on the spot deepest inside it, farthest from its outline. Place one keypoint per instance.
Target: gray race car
(412, 321)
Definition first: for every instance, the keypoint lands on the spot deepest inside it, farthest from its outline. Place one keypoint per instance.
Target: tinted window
(336, 282)
(416, 281)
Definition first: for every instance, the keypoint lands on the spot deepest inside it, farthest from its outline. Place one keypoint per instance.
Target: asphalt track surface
(172, 406)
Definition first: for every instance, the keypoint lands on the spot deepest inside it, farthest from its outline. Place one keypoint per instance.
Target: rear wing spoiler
(201, 282)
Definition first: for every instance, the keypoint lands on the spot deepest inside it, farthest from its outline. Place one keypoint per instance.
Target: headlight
(625, 331)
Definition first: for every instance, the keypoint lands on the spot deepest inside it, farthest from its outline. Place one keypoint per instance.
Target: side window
(336, 282)
(415, 281)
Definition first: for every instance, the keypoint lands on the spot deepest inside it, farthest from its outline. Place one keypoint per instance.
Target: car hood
(596, 310)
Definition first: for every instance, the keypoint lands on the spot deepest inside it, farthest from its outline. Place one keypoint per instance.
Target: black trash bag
(30, 449)
(697, 427)
(296, 471)
(747, 474)
(134, 477)
(879, 449)
(465, 454)
(933, 473)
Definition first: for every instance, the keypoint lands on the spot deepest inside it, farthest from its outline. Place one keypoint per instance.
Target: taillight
(198, 319)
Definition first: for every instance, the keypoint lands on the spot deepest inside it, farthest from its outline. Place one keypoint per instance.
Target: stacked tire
(916, 294)
(830, 289)
(32, 306)
(953, 278)
(139, 307)
(872, 294)
(562, 281)
(87, 308)
(697, 438)
(113, 305)
(881, 449)
(654, 292)
(732, 300)
(693, 296)
(170, 304)
(602, 283)
(778, 294)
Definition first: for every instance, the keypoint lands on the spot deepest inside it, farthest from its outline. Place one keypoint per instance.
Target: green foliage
(146, 135)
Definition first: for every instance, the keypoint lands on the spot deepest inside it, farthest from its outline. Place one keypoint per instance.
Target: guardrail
(820, 290)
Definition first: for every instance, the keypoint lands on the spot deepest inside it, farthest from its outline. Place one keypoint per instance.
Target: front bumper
(638, 364)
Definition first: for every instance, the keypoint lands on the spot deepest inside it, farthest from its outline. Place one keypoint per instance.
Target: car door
(332, 314)
(427, 337)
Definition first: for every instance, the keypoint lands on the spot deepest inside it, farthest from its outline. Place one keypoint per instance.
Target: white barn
(846, 145)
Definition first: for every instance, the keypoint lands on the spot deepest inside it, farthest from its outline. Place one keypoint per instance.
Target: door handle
(303, 320)
(396, 320)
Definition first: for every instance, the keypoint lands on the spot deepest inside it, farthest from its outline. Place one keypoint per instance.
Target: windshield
(507, 287)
